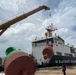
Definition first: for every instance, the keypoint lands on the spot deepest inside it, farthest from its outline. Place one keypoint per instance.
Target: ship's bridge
(49, 40)
(59, 40)
(43, 41)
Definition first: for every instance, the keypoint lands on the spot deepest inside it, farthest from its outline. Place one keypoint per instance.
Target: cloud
(63, 17)
(3, 41)
(20, 35)
(9, 5)
(20, 29)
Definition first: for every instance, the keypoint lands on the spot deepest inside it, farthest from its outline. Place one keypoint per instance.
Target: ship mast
(50, 29)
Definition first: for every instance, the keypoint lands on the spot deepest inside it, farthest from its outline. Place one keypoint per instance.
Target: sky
(62, 14)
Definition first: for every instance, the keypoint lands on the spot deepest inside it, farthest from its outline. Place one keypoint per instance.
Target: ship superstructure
(52, 50)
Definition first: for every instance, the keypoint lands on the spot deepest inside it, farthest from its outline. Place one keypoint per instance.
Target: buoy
(47, 52)
(18, 63)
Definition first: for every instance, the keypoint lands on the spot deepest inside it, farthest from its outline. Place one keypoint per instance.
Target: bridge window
(59, 53)
(74, 55)
(42, 42)
(66, 54)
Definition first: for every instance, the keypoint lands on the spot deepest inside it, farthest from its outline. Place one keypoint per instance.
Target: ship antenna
(50, 29)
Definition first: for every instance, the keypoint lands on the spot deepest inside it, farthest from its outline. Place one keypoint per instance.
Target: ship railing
(37, 38)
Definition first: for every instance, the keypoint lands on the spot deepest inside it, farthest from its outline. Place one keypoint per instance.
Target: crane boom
(6, 25)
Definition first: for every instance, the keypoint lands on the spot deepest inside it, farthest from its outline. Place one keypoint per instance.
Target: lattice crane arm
(6, 25)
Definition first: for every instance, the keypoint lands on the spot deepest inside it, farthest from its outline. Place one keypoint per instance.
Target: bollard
(0, 61)
(1, 65)
(18, 63)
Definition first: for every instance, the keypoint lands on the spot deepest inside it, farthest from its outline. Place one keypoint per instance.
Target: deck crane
(6, 25)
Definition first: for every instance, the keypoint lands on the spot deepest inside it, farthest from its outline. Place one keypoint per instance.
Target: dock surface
(54, 71)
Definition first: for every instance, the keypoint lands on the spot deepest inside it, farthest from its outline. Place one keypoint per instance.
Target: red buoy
(47, 52)
(19, 63)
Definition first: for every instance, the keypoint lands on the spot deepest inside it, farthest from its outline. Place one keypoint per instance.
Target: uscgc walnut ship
(52, 51)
